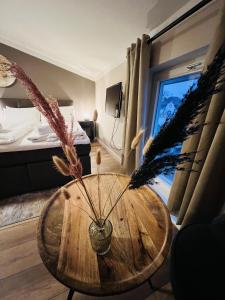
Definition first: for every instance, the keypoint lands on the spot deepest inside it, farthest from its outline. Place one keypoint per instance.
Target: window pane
(171, 93)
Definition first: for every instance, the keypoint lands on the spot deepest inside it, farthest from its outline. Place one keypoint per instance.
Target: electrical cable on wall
(114, 131)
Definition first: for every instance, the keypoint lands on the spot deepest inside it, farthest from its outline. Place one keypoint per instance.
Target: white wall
(105, 122)
(51, 80)
(87, 95)
(195, 32)
(184, 38)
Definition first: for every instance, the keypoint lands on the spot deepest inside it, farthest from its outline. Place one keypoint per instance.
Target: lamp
(94, 119)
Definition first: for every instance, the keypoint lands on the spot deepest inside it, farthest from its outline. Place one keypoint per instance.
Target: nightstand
(89, 128)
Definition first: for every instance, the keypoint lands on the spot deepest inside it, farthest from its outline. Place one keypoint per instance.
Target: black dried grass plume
(183, 124)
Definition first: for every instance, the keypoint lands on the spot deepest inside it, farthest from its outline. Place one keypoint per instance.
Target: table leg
(70, 295)
(151, 285)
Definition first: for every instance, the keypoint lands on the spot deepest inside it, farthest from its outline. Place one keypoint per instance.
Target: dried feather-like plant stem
(76, 172)
(108, 197)
(117, 200)
(98, 162)
(91, 203)
(147, 146)
(61, 166)
(136, 140)
(181, 125)
(85, 196)
(84, 211)
(50, 109)
(71, 155)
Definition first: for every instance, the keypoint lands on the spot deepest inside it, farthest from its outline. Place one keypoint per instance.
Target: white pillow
(14, 116)
(66, 111)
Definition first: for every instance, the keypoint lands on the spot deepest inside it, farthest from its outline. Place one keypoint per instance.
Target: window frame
(162, 83)
(165, 71)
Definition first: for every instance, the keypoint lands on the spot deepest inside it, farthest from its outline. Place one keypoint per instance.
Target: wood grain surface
(142, 233)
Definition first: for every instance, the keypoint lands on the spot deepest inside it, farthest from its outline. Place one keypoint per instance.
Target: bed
(27, 145)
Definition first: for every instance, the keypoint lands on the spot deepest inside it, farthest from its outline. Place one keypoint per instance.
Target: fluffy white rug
(19, 208)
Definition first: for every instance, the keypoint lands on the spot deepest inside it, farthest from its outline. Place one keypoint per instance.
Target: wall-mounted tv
(113, 100)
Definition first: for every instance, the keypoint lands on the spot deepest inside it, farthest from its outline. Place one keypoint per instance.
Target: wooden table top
(141, 238)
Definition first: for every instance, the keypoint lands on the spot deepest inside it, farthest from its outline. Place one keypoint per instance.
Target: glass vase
(100, 237)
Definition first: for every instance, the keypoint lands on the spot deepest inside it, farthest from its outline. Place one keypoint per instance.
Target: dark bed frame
(33, 170)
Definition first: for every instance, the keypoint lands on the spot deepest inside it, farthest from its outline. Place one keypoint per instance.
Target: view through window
(170, 95)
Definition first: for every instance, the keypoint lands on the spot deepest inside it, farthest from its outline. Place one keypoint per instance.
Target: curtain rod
(180, 19)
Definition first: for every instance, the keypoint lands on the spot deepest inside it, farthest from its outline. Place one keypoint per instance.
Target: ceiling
(87, 37)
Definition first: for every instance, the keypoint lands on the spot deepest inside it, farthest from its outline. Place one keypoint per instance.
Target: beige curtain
(199, 196)
(137, 86)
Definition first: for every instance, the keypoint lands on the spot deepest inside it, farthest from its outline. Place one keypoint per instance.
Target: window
(170, 95)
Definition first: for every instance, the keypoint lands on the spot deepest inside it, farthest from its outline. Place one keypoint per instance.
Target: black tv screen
(114, 100)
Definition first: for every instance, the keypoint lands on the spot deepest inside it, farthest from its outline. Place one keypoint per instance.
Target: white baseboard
(114, 154)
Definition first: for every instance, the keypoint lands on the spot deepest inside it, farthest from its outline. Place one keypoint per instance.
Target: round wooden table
(142, 233)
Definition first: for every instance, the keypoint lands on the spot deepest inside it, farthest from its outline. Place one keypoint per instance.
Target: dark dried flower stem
(182, 125)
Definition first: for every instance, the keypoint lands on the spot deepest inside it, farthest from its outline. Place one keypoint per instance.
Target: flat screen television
(114, 100)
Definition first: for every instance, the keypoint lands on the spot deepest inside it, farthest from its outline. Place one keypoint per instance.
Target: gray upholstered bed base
(33, 170)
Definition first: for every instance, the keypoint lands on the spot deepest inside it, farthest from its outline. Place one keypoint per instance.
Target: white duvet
(29, 137)
(44, 132)
(11, 135)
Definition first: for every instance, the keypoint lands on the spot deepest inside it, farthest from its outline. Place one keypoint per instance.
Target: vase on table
(100, 236)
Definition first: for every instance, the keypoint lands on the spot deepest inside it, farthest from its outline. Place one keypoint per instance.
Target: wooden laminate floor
(22, 274)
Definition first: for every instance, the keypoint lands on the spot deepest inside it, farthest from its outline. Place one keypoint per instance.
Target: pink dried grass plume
(61, 165)
(75, 164)
(48, 107)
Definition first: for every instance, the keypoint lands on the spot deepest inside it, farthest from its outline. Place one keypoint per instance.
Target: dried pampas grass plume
(98, 157)
(65, 193)
(61, 166)
(136, 139)
(95, 115)
(147, 145)
(71, 155)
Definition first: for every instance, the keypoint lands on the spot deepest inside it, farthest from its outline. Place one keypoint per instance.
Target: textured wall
(188, 36)
(52, 80)
(195, 32)
(105, 121)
